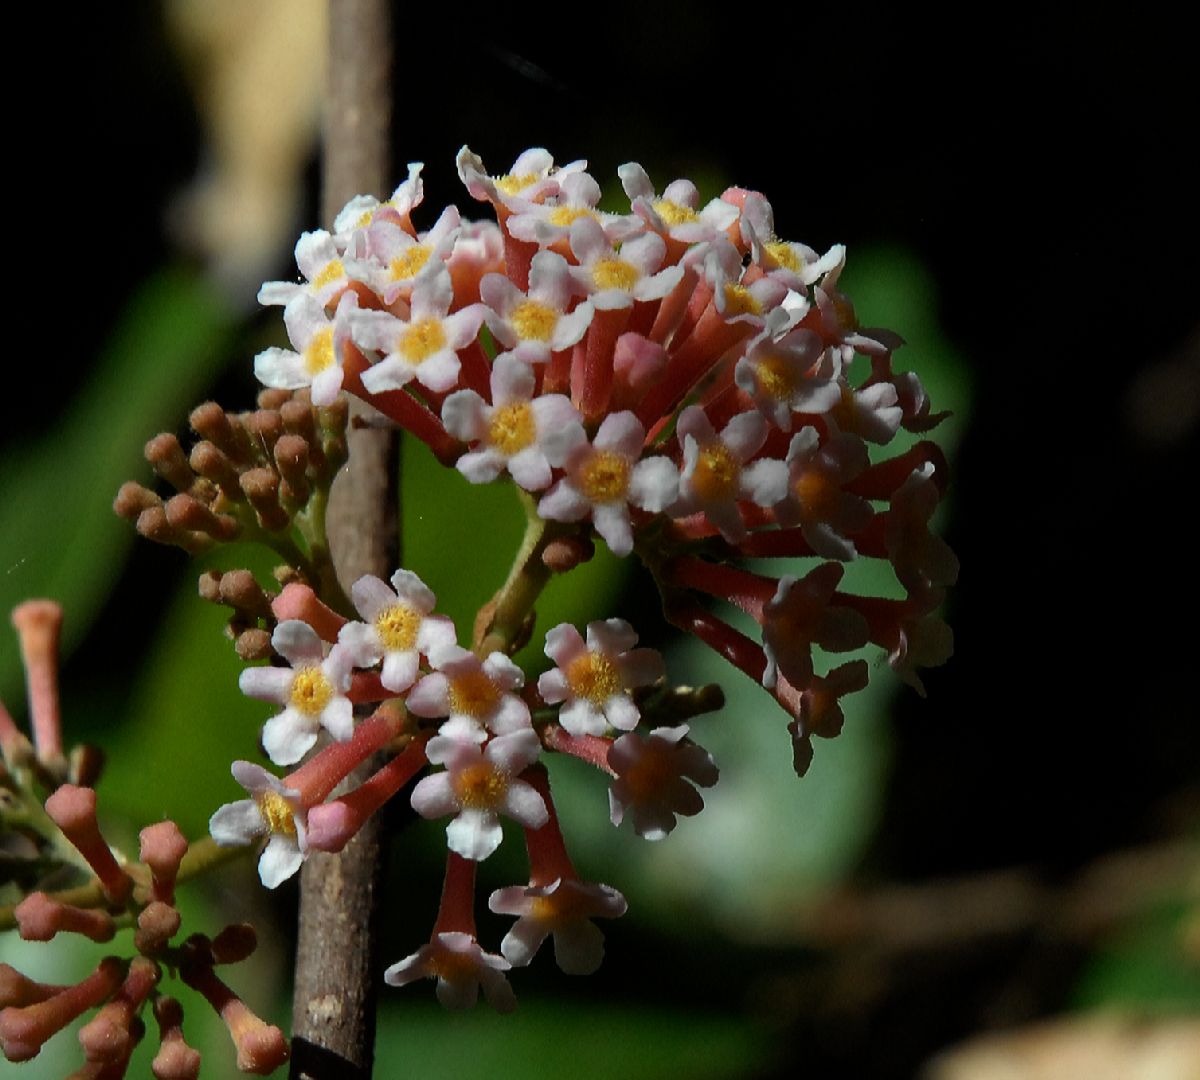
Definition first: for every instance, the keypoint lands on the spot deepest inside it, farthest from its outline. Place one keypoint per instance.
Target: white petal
(474, 834)
(279, 861)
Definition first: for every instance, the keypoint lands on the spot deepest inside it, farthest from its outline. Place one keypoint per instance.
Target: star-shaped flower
(399, 628)
(461, 967)
(312, 691)
(593, 680)
(524, 434)
(273, 811)
(651, 781)
(479, 785)
(564, 908)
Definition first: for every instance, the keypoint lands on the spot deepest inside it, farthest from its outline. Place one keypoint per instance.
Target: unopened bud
(132, 499)
(24, 1030)
(291, 458)
(186, 512)
(153, 525)
(234, 944)
(272, 397)
(163, 847)
(175, 1060)
(261, 1047)
(261, 487)
(265, 426)
(253, 644)
(158, 922)
(567, 553)
(298, 601)
(239, 590)
(39, 626)
(110, 1035)
(73, 810)
(40, 917)
(167, 457)
(214, 465)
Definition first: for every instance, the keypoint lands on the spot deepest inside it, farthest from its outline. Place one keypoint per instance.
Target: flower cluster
(428, 702)
(678, 379)
(52, 836)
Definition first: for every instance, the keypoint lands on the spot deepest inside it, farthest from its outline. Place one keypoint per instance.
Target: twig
(333, 1004)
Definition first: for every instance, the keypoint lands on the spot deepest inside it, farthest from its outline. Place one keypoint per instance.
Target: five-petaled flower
(312, 691)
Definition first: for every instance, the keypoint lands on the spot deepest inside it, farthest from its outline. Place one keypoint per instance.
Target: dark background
(1042, 172)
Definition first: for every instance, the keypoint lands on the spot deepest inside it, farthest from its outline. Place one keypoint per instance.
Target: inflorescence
(678, 381)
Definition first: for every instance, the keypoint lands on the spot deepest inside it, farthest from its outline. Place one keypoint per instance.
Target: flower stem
(501, 624)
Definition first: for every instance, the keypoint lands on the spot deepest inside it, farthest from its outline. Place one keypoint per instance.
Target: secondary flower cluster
(73, 882)
(437, 704)
(677, 378)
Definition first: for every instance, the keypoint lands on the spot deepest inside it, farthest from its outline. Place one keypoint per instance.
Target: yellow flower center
(473, 694)
(614, 274)
(739, 300)
(565, 215)
(593, 676)
(420, 340)
(409, 262)
(716, 473)
(559, 908)
(533, 321)
(814, 491)
(605, 477)
(333, 270)
(775, 377)
(651, 774)
(276, 813)
(310, 691)
(512, 183)
(397, 627)
(480, 787)
(674, 214)
(318, 355)
(452, 966)
(783, 254)
(511, 428)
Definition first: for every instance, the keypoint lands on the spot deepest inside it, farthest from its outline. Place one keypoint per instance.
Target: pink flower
(564, 908)
(461, 967)
(399, 627)
(478, 786)
(321, 264)
(477, 696)
(716, 475)
(594, 681)
(816, 500)
(524, 434)
(802, 614)
(675, 213)
(651, 779)
(273, 811)
(792, 374)
(423, 347)
(537, 323)
(313, 360)
(313, 692)
(604, 478)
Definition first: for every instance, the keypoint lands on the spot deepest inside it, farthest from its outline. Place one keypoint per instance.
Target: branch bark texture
(333, 1004)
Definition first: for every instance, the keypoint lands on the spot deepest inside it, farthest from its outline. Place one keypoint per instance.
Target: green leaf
(58, 534)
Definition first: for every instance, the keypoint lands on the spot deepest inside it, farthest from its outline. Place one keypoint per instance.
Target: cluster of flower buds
(73, 882)
(678, 379)
(261, 475)
(426, 701)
